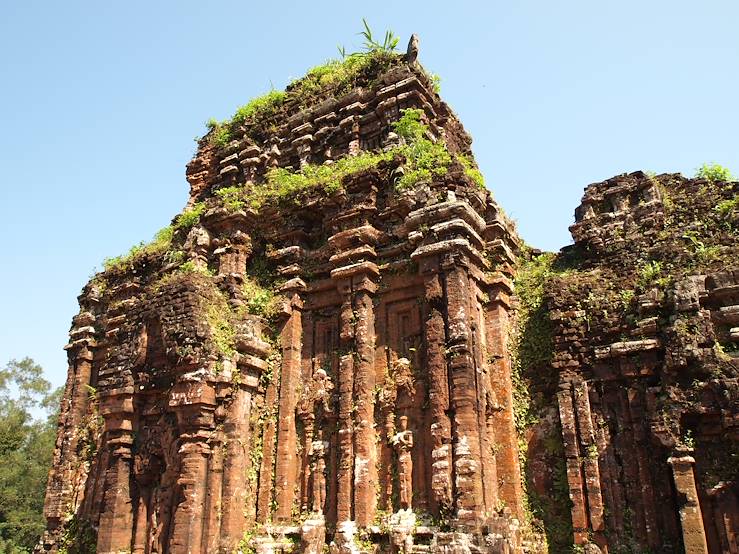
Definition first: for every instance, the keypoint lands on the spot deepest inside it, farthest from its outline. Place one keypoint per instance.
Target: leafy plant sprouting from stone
(79, 537)
(714, 172)
(334, 78)
(158, 245)
(217, 313)
(259, 300)
(389, 43)
(337, 76)
(651, 273)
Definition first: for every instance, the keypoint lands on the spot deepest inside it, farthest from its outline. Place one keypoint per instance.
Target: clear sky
(100, 102)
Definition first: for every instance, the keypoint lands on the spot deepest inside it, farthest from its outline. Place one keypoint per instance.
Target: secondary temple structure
(328, 350)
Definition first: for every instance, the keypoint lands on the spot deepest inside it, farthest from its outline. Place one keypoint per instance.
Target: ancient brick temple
(326, 349)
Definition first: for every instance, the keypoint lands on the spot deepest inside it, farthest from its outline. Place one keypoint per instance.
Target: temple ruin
(343, 345)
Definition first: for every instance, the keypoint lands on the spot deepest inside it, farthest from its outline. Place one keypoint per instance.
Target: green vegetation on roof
(714, 172)
(336, 77)
(160, 244)
(424, 157)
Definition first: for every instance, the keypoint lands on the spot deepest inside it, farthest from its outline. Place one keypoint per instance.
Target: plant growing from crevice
(713, 172)
(222, 333)
(190, 217)
(160, 244)
(78, 537)
(389, 43)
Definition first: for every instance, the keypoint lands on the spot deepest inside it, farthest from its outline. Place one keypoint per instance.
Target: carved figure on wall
(317, 392)
(403, 443)
(322, 387)
(403, 377)
(318, 469)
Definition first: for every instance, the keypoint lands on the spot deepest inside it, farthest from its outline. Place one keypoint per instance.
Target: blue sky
(100, 102)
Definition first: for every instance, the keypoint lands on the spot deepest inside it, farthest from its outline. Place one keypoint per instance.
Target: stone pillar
(141, 522)
(691, 519)
(365, 478)
(264, 497)
(60, 490)
(502, 420)
(449, 259)
(356, 285)
(188, 520)
(441, 427)
(571, 444)
(194, 403)
(590, 462)
(290, 382)
(236, 466)
(115, 529)
(345, 442)
(463, 398)
(640, 429)
(214, 501)
(583, 461)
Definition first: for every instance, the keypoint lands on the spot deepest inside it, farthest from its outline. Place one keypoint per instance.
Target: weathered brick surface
(391, 306)
(373, 401)
(647, 364)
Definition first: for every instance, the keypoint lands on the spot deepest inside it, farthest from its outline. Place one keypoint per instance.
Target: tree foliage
(28, 414)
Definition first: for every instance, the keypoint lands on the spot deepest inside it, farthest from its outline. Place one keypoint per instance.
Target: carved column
(214, 500)
(441, 427)
(356, 392)
(450, 247)
(356, 284)
(345, 441)
(291, 344)
(264, 497)
(364, 384)
(463, 380)
(583, 459)
(236, 466)
(638, 418)
(502, 420)
(691, 519)
(60, 490)
(116, 521)
(194, 403)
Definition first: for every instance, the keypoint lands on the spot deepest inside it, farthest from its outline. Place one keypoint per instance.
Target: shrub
(283, 183)
(189, 218)
(190, 267)
(259, 300)
(713, 172)
(409, 125)
(425, 158)
(649, 273)
(259, 107)
(726, 208)
(256, 110)
(160, 244)
(471, 171)
(339, 76)
(222, 332)
(233, 198)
